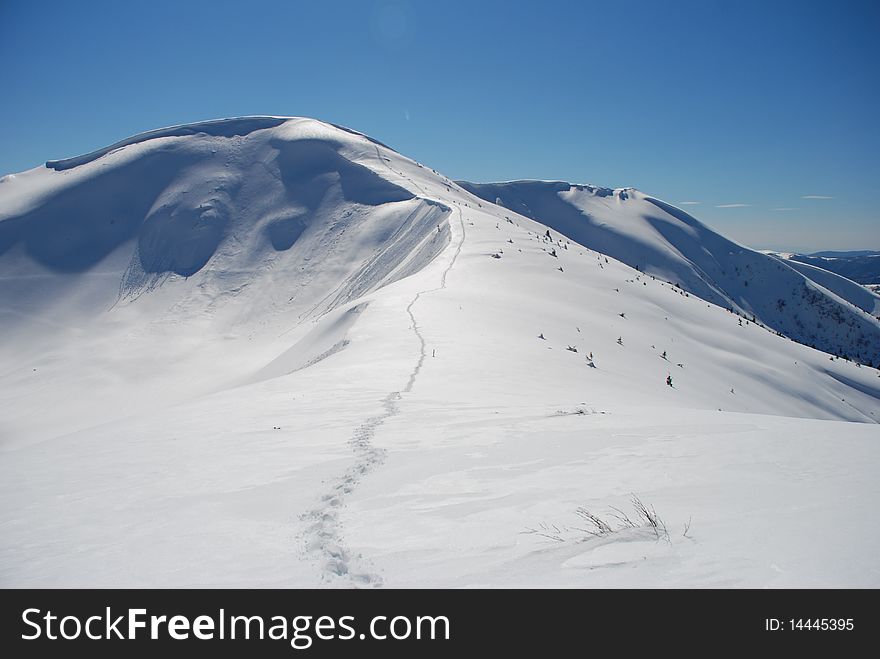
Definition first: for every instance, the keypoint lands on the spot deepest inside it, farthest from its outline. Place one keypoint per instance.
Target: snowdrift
(175, 245)
(245, 193)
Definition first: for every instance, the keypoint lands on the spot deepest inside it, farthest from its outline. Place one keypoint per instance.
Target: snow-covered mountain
(856, 294)
(273, 351)
(862, 266)
(827, 312)
(184, 236)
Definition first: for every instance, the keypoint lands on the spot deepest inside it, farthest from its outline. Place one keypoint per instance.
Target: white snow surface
(855, 293)
(811, 306)
(274, 352)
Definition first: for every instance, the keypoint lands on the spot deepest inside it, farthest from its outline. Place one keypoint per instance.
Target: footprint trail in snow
(324, 536)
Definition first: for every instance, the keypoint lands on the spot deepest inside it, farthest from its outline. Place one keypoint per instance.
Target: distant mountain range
(862, 266)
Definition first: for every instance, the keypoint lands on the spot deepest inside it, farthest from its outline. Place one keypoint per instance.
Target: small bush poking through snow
(643, 517)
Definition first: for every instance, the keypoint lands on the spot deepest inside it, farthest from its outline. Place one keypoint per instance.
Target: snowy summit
(271, 351)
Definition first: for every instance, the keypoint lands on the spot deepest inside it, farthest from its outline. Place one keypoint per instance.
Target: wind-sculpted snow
(308, 167)
(254, 354)
(664, 241)
(233, 127)
(201, 230)
(233, 189)
(74, 230)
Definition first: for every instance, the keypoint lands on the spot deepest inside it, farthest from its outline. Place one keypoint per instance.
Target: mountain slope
(242, 190)
(846, 289)
(376, 377)
(222, 223)
(666, 242)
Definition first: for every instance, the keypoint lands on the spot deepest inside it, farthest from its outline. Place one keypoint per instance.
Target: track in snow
(323, 535)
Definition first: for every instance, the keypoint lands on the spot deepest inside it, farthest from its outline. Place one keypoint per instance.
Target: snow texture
(271, 351)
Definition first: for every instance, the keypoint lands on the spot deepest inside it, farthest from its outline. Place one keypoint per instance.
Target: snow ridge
(231, 127)
(324, 536)
(409, 308)
(664, 241)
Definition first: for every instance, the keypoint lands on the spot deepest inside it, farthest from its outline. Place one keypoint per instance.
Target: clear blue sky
(757, 103)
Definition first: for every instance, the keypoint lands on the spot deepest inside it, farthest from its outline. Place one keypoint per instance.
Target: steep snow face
(242, 190)
(238, 229)
(662, 240)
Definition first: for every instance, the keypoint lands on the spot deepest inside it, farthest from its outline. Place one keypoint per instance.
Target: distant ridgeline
(862, 267)
(815, 307)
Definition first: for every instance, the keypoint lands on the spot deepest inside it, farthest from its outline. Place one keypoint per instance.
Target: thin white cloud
(689, 203)
(816, 196)
(733, 206)
(785, 209)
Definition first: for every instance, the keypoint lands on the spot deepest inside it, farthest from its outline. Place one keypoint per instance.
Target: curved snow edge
(235, 126)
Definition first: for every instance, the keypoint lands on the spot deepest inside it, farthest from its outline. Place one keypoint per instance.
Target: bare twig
(602, 527)
(622, 517)
(546, 531)
(645, 517)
